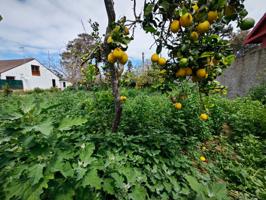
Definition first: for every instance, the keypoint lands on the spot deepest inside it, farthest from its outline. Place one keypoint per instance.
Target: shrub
(259, 93)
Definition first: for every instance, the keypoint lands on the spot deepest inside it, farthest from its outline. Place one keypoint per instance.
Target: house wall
(62, 84)
(245, 72)
(23, 72)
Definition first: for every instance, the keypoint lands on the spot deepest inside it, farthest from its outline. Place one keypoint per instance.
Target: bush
(58, 146)
(259, 93)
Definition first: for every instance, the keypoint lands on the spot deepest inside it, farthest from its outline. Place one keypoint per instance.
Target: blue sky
(42, 28)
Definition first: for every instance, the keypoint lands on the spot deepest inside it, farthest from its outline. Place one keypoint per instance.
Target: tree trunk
(109, 5)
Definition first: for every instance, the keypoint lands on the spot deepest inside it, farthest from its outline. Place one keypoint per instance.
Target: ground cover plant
(59, 146)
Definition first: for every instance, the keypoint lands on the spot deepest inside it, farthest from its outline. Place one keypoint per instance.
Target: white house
(32, 74)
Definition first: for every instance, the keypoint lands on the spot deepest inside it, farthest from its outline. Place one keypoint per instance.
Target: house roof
(258, 34)
(6, 65)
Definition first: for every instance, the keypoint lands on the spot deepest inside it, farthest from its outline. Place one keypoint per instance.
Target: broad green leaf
(194, 184)
(25, 190)
(92, 179)
(86, 153)
(80, 172)
(63, 167)
(108, 186)
(129, 173)
(36, 173)
(118, 180)
(45, 127)
(68, 123)
(138, 193)
(66, 194)
(218, 190)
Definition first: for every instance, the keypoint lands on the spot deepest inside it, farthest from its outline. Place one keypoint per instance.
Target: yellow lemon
(203, 27)
(123, 98)
(186, 20)
(123, 60)
(155, 57)
(202, 158)
(118, 53)
(212, 16)
(201, 73)
(174, 27)
(109, 40)
(111, 59)
(178, 106)
(181, 72)
(195, 7)
(194, 35)
(162, 61)
(188, 71)
(204, 117)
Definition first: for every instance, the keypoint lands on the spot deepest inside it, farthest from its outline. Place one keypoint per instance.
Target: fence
(13, 84)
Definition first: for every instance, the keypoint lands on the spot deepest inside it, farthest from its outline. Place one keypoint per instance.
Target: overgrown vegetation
(59, 146)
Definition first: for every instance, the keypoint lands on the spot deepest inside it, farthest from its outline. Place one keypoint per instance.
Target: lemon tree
(193, 34)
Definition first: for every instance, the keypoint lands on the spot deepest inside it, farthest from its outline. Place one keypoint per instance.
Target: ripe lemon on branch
(212, 16)
(201, 73)
(174, 27)
(186, 20)
(155, 57)
(203, 27)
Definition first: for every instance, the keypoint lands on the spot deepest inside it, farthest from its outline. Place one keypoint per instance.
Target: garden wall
(246, 72)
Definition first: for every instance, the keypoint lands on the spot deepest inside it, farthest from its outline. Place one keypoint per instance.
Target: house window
(10, 77)
(35, 69)
(64, 84)
(53, 82)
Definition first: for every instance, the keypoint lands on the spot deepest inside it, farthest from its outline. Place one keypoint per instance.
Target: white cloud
(42, 25)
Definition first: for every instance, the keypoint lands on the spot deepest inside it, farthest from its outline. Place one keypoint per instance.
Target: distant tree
(72, 59)
(1, 18)
(129, 66)
(237, 43)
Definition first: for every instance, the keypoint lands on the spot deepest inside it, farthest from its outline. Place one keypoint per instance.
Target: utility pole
(143, 61)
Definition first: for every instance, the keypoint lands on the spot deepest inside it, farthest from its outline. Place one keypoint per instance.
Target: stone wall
(245, 72)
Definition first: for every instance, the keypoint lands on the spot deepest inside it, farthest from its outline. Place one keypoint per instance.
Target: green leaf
(63, 167)
(118, 180)
(86, 153)
(194, 184)
(108, 186)
(68, 123)
(92, 179)
(45, 127)
(129, 173)
(148, 10)
(138, 193)
(66, 194)
(206, 54)
(1, 18)
(25, 190)
(218, 190)
(36, 173)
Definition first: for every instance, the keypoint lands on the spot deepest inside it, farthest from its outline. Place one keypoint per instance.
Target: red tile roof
(6, 65)
(258, 34)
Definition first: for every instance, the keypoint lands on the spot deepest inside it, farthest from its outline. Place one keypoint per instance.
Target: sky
(42, 28)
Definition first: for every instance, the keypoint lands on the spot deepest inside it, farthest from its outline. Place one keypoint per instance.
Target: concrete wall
(245, 72)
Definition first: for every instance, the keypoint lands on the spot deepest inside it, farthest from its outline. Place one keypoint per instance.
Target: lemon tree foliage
(193, 33)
